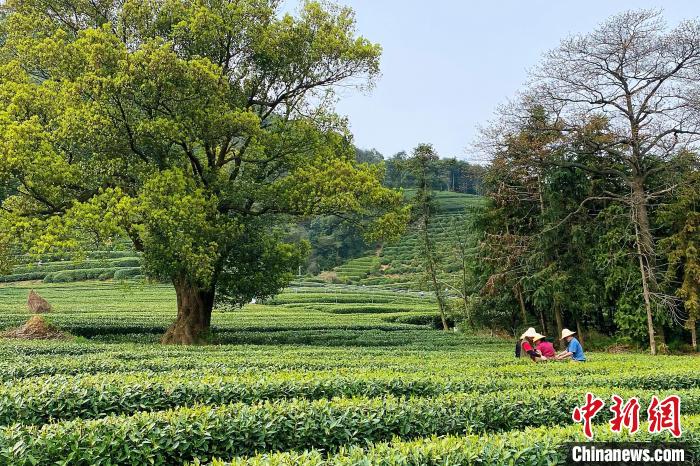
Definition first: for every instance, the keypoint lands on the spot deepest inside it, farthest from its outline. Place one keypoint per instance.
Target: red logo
(626, 415)
(665, 415)
(662, 415)
(586, 413)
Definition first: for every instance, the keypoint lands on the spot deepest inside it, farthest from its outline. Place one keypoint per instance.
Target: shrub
(67, 276)
(21, 277)
(541, 446)
(126, 273)
(106, 275)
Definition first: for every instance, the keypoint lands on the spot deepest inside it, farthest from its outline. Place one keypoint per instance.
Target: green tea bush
(234, 430)
(67, 276)
(126, 273)
(369, 309)
(48, 267)
(308, 380)
(40, 400)
(20, 277)
(535, 447)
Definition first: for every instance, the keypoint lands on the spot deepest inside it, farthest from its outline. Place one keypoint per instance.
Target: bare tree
(642, 80)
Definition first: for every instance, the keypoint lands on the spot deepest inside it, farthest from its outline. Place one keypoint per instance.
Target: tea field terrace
(320, 375)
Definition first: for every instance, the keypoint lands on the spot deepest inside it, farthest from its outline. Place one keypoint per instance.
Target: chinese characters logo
(661, 414)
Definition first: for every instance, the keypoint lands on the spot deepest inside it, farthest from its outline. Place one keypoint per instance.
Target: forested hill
(399, 265)
(337, 243)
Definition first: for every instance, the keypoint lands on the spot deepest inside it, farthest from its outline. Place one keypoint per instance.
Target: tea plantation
(324, 374)
(98, 265)
(399, 266)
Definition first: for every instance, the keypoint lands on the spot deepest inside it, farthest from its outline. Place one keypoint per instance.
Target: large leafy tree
(194, 127)
(517, 184)
(640, 77)
(541, 234)
(625, 101)
(682, 246)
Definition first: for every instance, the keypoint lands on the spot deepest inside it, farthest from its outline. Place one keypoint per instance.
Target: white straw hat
(566, 333)
(538, 336)
(531, 332)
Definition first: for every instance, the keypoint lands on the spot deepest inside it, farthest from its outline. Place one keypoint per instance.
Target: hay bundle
(37, 304)
(36, 328)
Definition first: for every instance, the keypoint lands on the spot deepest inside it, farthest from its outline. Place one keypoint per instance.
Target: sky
(447, 65)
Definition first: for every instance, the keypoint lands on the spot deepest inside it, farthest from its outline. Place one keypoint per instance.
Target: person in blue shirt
(574, 350)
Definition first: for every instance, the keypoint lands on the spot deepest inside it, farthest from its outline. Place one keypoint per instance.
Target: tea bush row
(39, 400)
(228, 431)
(86, 264)
(543, 446)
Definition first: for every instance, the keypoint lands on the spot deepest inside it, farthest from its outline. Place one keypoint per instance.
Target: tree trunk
(560, 322)
(426, 211)
(661, 337)
(579, 332)
(539, 190)
(465, 287)
(194, 307)
(431, 263)
(431, 269)
(467, 313)
(647, 305)
(543, 322)
(541, 197)
(438, 296)
(645, 251)
(521, 301)
(694, 336)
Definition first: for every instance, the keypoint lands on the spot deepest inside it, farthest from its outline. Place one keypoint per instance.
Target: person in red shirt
(543, 347)
(527, 343)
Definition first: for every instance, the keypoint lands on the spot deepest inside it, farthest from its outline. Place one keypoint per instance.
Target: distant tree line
(451, 174)
(333, 240)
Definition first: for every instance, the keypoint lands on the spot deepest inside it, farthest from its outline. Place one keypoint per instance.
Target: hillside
(398, 265)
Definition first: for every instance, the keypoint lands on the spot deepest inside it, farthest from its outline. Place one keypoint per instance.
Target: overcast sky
(447, 64)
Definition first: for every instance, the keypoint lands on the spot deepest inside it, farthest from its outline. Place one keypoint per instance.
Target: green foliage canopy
(193, 127)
